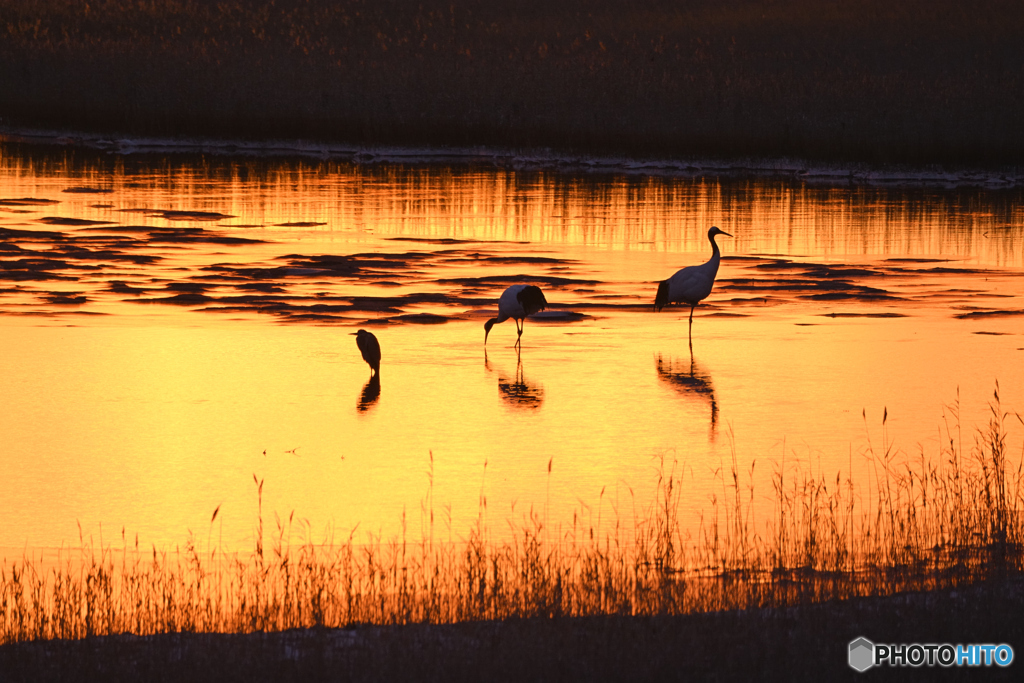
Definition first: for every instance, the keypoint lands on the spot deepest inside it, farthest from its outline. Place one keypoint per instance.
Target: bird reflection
(691, 381)
(517, 392)
(370, 394)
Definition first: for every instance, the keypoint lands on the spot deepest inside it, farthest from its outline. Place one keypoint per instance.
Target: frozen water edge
(539, 159)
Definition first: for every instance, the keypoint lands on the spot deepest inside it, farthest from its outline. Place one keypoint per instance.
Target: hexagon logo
(862, 654)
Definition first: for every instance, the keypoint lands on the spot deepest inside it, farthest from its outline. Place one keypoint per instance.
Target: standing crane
(517, 302)
(693, 284)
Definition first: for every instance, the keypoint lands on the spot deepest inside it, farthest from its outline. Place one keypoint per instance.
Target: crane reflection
(692, 381)
(516, 391)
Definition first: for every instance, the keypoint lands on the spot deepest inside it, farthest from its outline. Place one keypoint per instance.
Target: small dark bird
(693, 284)
(517, 302)
(370, 348)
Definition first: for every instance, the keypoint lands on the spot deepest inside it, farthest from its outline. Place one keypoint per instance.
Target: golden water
(125, 412)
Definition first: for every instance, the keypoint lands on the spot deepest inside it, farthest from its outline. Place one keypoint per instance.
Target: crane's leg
(691, 331)
(519, 330)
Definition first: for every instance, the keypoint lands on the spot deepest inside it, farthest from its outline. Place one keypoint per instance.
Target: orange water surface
(176, 328)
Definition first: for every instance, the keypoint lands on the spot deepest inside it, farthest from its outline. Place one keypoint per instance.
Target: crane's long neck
(716, 255)
(491, 323)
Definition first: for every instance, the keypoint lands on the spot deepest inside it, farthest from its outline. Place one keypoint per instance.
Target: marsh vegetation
(866, 80)
(928, 522)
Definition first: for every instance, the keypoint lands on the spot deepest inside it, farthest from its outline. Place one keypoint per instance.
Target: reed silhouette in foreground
(919, 523)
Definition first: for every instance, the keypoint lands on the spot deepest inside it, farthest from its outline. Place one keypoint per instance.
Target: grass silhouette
(919, 523)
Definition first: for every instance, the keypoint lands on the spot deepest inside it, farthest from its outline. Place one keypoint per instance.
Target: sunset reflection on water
(174, 326)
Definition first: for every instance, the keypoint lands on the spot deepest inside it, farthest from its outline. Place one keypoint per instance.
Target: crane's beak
(723, 232)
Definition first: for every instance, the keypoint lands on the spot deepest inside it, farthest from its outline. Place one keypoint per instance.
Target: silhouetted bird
(517, 302)
(693, 284)
(370, 348)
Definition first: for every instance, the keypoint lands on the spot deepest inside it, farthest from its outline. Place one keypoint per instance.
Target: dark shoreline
(861, 82)
(93, 145)
(805, 643)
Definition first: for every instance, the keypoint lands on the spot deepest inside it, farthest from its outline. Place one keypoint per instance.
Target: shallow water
(176, 329)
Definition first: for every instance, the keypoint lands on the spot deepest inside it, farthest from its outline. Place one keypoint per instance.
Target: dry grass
(920, 523)
(917, 81)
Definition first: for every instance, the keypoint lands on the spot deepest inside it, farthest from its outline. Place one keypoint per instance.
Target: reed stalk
(921, 522)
